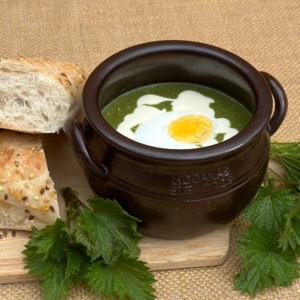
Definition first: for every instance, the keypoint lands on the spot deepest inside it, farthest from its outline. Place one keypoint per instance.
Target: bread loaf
(38, 95)
(27, 195)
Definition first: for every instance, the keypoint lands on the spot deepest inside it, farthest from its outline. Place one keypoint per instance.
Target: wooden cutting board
(161, 254)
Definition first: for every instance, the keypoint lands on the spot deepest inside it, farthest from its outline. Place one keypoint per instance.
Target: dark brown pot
(177, 193)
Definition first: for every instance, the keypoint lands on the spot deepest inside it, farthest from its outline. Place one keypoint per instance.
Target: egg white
(153, 123)
(154, 132)
(140, 115)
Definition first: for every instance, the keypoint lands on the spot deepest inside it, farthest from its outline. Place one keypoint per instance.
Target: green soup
(223, 105)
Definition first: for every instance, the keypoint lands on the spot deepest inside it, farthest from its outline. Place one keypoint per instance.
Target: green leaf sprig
(101, 250)
(271, 246)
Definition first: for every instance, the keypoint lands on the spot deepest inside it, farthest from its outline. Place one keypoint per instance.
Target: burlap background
(264, 32)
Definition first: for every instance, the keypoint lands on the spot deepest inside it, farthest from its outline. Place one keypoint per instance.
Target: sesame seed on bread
(27, 195)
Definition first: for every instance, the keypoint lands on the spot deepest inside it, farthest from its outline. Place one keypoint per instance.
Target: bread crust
(67, 76)
(27, 195)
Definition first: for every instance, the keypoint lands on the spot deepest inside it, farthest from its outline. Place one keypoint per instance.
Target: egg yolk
(191, 129)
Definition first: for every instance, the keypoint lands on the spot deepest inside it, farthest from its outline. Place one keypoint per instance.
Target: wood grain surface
(207, 250)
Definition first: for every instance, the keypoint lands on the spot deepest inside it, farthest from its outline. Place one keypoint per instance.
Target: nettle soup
(176, 116)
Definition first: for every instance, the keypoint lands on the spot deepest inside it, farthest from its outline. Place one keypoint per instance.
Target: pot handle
(281, 104)
(73, 129)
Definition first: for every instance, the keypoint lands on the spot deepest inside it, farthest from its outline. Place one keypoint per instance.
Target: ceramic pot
(177, 193)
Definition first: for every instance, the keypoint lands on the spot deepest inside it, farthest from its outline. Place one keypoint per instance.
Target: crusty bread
(27, 195)
(38, 95)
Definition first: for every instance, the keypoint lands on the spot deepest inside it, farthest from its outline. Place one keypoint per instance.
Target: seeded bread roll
(38, 95)
(27, 195)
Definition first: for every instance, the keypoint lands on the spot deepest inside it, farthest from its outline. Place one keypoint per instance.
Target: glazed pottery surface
(177, 193)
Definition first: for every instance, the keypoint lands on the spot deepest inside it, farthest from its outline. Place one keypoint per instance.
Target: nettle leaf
(264, 262)
(291, 164)
(57, 271)
(267, 210)
(107, 231)
(106, 235)
(82, 236)
(297, 251)
(289, 154)
(127, 277)
(81, 276)
(56, 282)
(280, 148)
(252, 280)
(51, 240)
(115, 212)
(291, 234)
(78, 263)
(58, 275)
(76, 259)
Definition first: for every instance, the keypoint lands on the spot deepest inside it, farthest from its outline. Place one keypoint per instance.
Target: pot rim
(259, 121)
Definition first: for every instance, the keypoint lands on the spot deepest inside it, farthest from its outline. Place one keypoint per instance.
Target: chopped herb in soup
(177, 116)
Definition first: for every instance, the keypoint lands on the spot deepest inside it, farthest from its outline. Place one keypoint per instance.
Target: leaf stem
(275, 155)
(72, 205)
(287, 182)
(70, 196)
(275, 173)
(270, 181)
(72, 208)
(281, 179)
(284, 144)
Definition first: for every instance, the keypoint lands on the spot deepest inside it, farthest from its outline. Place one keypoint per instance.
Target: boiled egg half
(191, 124)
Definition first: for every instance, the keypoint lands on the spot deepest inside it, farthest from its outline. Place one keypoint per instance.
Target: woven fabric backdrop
(263, 32)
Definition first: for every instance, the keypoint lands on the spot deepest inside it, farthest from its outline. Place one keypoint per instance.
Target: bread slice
(27, 195)
(38, 95)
